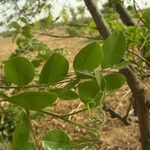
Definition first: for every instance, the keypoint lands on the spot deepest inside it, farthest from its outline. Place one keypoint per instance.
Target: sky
(61, 3)
(58, 5)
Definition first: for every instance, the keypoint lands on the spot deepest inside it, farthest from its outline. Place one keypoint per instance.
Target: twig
(66, 36)
(122, 98)
(80, 25)
(33, 86)
(134, 5)
(74, 113)
(140, 57)
(32, 130)
(114, 114)
(145, 41)
(20, 11)
(69, 121)
(128, 110)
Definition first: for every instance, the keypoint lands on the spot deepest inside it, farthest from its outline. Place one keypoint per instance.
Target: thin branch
(69, 121)
(134, 5)
(67, 36)
(140, 57)
(145, 41)
(129, 107)
(74, 113)
(20, 11)
(80, 25)
(144, 75)
(34, 86)
(115, 115)
(24, 87)
(34, 136)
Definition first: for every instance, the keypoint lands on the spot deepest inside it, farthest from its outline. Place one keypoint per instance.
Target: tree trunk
(143, 110)
(124, 15)
(135, 85)
(98, 18)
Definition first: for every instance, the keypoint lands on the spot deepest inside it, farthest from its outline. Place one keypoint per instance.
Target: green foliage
(74, 31)
(133, 34)
(21, 135)
(88, 82)
(68, 95)
(30, 146)
(92, 27)
(114, 49)
(114, 81)
(15, 25)
(147, 53)
(54, 70)
(64, 93)
(56, 139)
(100, 79)
(25, 45)
(26, 31)
(8, 120)
(29, 45)
(88, 58)
(46, 22)
(81, 10)
(112, 20)
(122, 64)
(84, 142)
(24, 20)
(146, 17)
(7, 34)
(89, 92)
(19, 70)
(65, 15)
(32, 100)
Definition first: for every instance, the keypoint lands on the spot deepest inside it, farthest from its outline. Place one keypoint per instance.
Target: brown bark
(98, 18)
(124, 15)
(141, 99)
(135, 85)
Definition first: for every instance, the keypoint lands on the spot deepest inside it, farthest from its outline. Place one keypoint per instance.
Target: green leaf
(56, 140)
(64, 93)
(84, 74)
(3, 95)
(72, 83)
(88, 91)
(33, 100)
(146, 17)
(23, 19)
(147, 53)
(100, 80)
(36, 62)
(21, 135)
(54, 70)
(15, 25)
(57, 91)
(88, 58)
(122, 64)
(92, 27)
(27, 31)
(30, 146)
(114, 81)
(68, 95)
(114, 48)
(19, 71)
